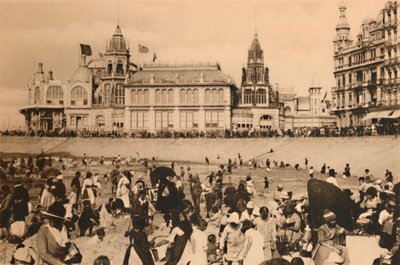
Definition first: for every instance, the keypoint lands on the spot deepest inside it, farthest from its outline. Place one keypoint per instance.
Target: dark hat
(264, 210)
(329, 216)
(332, 172)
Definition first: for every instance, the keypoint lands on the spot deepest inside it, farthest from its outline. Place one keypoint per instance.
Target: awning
(371, 115)
(396, 114)
(385, 114)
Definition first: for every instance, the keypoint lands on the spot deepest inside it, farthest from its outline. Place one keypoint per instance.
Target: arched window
(247, 96)
(119, 95)
(164, 95)
(158, 96)
(37, 96)
(146, 96)
(195, 96)
(140, 97)
(120, 69)
(287, 110)
(189, 97)
(109, 68)
(100, 121)
(54, 95)
(107, 93)
(170, 96)
(133, 97)
(261, 96)
(79, 96)
(182, 96)
(208, 96)
(220, 96)
(214, 96)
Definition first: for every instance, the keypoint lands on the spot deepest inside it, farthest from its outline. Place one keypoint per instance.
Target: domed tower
(342, 39)
(116, 70)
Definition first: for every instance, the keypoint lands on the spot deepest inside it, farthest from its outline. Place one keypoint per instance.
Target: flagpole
(138, 57)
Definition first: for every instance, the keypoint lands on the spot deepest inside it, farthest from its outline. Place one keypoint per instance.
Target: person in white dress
(123, 188)
(253, 246)
(199, 241)
(87, 189)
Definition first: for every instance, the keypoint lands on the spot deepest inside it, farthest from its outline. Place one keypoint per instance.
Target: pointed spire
(342, 24)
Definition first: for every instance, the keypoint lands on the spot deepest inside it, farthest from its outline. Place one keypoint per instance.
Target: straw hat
(329, 216)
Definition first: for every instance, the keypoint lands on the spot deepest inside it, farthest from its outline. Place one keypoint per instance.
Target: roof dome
(117, 42)
(342, 24)
(82, 73)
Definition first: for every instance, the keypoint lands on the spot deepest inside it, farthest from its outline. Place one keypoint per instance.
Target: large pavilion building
(110, 93)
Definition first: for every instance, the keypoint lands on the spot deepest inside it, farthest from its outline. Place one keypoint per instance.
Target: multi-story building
(111, 93)
(366, 70)
(179, 98)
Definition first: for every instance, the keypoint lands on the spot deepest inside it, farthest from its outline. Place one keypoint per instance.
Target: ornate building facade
(259, 106)
(110, 93)
(367, 70)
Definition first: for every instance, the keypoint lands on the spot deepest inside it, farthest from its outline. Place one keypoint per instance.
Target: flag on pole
(86, 50)
(154, 57)
(143, 49)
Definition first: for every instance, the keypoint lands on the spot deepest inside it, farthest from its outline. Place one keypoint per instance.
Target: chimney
(40, 68)
(51, 75)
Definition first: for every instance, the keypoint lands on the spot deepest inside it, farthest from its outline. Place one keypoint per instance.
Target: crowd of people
(210, 221)
(353, 131)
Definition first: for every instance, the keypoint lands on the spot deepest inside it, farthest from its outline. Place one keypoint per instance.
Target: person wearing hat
(233, 238)
(248, 214)
(330, 239)
(267, 227)
(332, 177)
(52, 239)
(277, 193)
(253, 246)
(123, 189)
(198, 240)
(60, 190)
(386, 221)
(76, 183)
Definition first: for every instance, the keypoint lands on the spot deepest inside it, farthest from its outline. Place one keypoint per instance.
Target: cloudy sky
(296, 37)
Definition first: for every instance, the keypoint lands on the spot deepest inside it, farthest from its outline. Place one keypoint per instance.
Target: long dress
(87, 191)
(234, 239)
(267, 228)
(255, 255)
(123, 191)
(199, 242)
(180, 253)
(329, 239)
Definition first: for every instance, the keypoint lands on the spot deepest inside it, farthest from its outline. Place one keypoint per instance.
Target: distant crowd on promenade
(354, 131)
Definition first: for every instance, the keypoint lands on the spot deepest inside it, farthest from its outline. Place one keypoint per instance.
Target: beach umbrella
(323, 195)
(161, 174)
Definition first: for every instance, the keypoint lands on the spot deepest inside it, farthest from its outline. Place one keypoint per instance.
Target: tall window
(215, 119)
(248, 96)
(107, 93)
(164, 119)
(133, 96)
(208, 96)
(140, 97)
(189, 97)
(164, 96)
(79, 96)
(182, 96)
(259, 74)
(170, 96)
(146, 96)
(195, 96)
(120, 69)
(261, 96)
(158, 96)
(109, 68)
(140, 120)
(119, 95)
(54, 95)
(220, 96)
(37, 96)
(189, 119)
(214, 96)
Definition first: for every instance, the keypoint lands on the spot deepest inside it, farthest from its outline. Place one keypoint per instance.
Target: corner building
(367, 69)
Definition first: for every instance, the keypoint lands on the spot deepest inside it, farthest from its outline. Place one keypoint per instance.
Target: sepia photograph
(206, 132)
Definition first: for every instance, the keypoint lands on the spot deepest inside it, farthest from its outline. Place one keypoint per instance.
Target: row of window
(186, 96)
(260, 96)
(187, 119)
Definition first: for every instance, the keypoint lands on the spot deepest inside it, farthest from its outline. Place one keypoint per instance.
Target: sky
(296, 37)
